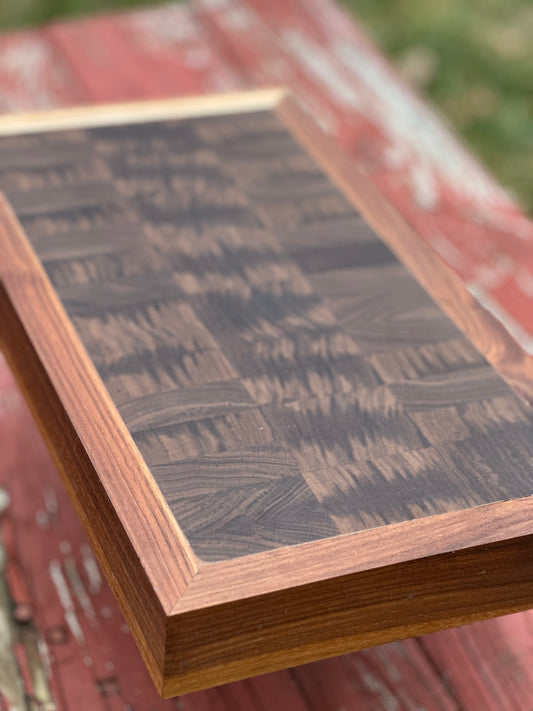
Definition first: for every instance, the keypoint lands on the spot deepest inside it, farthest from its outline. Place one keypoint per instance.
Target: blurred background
(473, 60)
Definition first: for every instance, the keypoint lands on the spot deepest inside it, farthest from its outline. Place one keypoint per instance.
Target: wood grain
(294, 419)
(491, 339)
(144, 554)
(345, 613)
(283, 376)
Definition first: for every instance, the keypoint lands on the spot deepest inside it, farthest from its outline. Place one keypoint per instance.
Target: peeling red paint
(460, 211)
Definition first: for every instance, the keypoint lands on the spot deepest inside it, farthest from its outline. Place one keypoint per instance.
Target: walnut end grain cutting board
(282, 447)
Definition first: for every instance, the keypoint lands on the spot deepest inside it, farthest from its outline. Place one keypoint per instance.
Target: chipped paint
(79, 590)
(194, 48)
(10, 682)
(91, 568)
(65, 598)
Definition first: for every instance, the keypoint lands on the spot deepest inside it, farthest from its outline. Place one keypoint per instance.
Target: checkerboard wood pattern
(281, 375)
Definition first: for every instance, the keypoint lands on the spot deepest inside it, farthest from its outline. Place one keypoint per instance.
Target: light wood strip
(227, 581)
(140, 112)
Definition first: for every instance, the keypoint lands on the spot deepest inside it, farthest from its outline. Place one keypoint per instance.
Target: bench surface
(283, 445)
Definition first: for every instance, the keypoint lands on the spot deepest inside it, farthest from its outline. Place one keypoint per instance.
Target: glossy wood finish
(278, 379)
(76, 416)
(492, 340)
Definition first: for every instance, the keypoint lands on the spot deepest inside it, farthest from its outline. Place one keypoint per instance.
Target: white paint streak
(239, 18)
(424, 185)
(216, 4)
(65, 548)
(492, 276)
(50, 501)
(448, 251)
(45, 657)
(198, 58)
(9, 677)
(42, 519)
(5, 501)
(318, 61)
(79, 590)
(92, 570)
(515, 329)
(406, 120)
(10, 401)
(386, 697)
(524, 279)
(63, 592)
(166, 26)
(27, 64)
(385, 657)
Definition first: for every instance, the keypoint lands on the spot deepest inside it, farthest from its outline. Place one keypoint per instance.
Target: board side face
(116, 552)
(283, 376)
(346, 614)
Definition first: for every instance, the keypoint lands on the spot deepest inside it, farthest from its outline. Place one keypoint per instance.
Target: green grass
(474, 60)
(26, 13)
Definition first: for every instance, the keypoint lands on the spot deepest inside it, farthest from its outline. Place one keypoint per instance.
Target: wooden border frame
(201, 624)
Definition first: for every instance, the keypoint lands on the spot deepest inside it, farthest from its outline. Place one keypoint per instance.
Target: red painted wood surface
(62, 637)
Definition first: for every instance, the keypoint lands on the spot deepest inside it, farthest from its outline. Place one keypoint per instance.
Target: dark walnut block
(271, 404)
